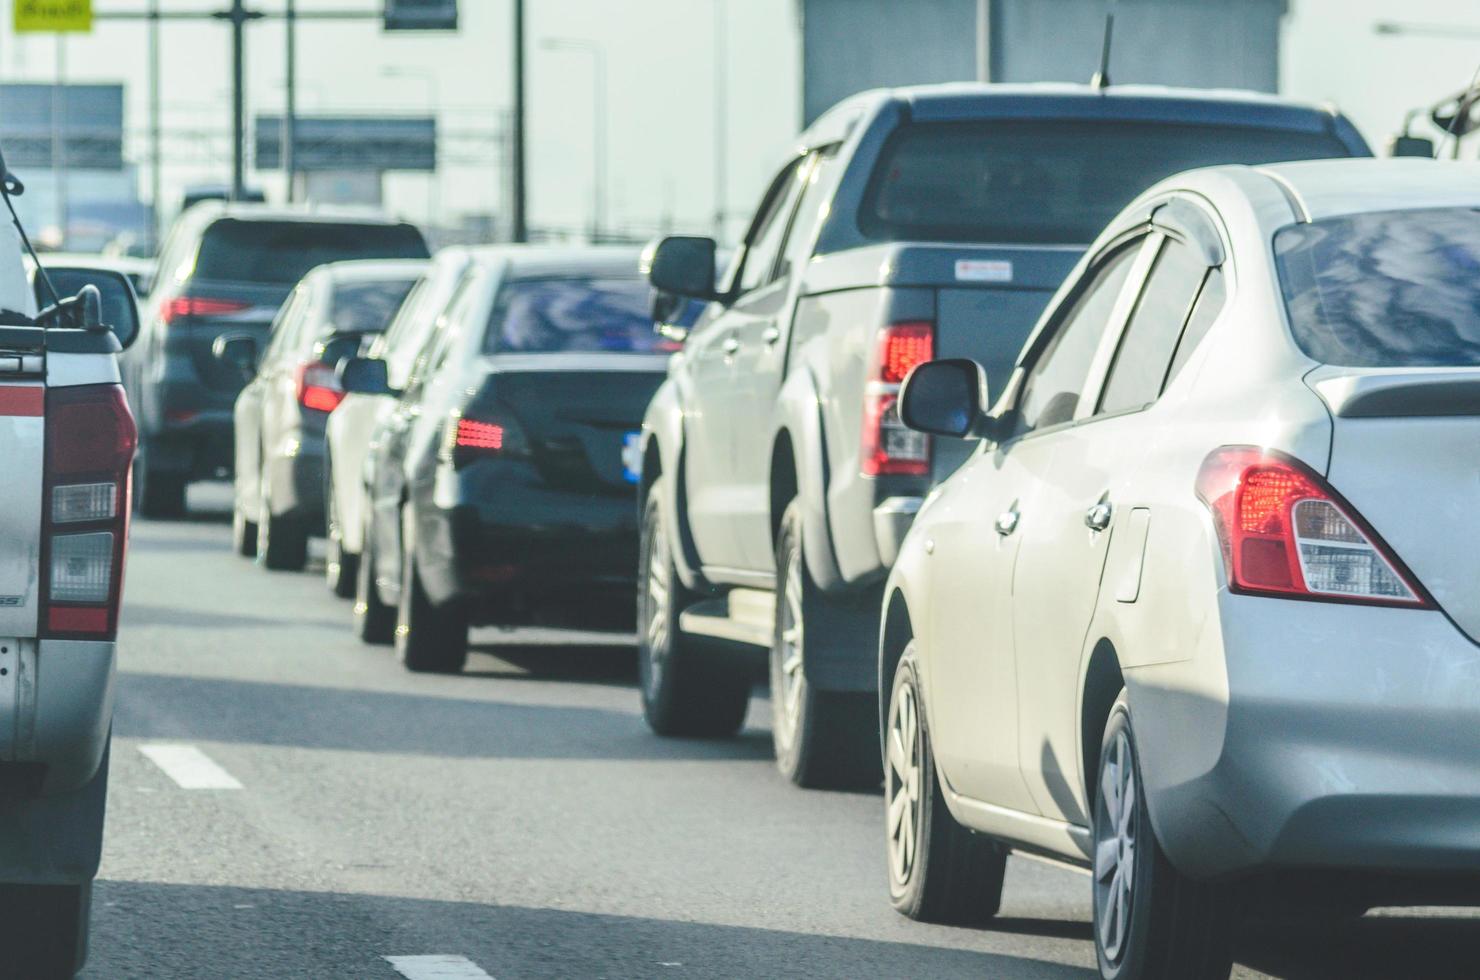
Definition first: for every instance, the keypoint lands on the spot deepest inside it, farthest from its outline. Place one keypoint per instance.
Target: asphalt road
(518, 819)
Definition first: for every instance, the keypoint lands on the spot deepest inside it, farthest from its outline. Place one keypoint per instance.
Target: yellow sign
(71, 16)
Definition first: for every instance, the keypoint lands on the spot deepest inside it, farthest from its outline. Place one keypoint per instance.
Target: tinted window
(1204, 313)
(765, 244)
(1386, 289)
(538, 316)
(1033, 181)
(1151, 335)
(1051, 391)
(366, 306)
(815, 193)
(284, 251)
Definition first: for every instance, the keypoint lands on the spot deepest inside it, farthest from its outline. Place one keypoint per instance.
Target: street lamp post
(598, 134)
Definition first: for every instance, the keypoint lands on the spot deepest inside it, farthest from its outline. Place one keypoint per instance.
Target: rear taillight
(183, 306)
(1285, 532)
(888, 446)
(318, 387)
(466, 439)
(90, 440)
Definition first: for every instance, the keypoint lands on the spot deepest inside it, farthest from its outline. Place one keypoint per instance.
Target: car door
(715, 398)
(1084, 499)
(983, 516)
(248, 412)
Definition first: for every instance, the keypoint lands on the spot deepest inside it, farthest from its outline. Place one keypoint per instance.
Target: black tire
(340, 567)
(684, 692)
(375, 622)
(822, 739)
(938, 870)
(158, 493)
(43, 929)
(282, 542)
(1163, 925)
(429, 639)
(243, 534)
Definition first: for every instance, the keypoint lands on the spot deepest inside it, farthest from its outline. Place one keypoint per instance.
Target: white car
(355, 420)
(1201, 612)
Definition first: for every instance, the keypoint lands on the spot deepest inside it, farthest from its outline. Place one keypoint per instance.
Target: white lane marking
(188, 766)
(441, 967)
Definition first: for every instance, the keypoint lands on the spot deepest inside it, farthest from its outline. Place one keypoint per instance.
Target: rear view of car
(514, 453)
(225, 268)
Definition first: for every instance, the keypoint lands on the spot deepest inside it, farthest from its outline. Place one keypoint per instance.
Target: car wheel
(340, 566)
(1150, 921)
(429, 639)
(375, 622)
(43, 928)
(157, 493)
(683, 691)
(243, 533)
(823, 739)
(938, 870)
(282, 542)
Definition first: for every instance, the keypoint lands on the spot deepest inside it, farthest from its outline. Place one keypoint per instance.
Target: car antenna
(11, 186)
(1101, 79)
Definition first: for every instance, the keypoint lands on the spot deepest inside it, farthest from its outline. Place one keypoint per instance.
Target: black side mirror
(337, 347)
(682, 265)
(1410, 146)
(239, 350)
(364, 376)
(945, 398)
(92, 299)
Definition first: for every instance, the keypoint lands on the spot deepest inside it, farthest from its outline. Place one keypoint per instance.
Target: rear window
(1034, 182)
(367, 306)
(282, 252)
(1385, 289)
(542, 316)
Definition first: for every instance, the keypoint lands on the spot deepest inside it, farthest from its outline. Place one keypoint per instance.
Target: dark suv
(225, 268)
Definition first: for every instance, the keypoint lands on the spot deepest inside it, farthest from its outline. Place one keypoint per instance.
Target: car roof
(1328, 188)
(370, 270)
(548, 262)
(246, 211)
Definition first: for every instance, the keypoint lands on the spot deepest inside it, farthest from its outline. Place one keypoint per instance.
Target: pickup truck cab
(777, 479)
(67, 438)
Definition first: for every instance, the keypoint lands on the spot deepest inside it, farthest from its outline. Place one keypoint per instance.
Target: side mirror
(337, 347)
(1410, 146)
(682, 265)
(239, 350)
(94, 299)
(364, 376)
(945, 398)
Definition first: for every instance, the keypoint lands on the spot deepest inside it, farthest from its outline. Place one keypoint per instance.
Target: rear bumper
(199, 445)
(1348, 739)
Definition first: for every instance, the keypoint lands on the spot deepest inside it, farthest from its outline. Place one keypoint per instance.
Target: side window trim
(1135, 283)
(780, 187)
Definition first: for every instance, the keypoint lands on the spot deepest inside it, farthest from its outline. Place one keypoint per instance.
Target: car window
(430, 347)
(765, 243)
(543, 316)
(1385, 288)
(401, 323)
(284, 251)
(1205, 311)
(1051, 391)
(367, 305)
(816, 189)
(285, 325)
(1150, 337)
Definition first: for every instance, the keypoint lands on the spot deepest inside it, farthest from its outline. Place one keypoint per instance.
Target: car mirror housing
(683, 265)
(364, 376)
(946, 398)
(92, 299)
(238, 350)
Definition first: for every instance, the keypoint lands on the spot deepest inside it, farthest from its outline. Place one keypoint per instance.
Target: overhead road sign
(344, 143)
(421, 15)
(53, 16)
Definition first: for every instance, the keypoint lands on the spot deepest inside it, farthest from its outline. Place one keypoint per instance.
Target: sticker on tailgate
(984, 270)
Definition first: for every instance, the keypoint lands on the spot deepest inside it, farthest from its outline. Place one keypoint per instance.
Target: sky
(659, 100)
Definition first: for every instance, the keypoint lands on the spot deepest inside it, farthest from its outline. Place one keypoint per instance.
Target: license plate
(632, 457)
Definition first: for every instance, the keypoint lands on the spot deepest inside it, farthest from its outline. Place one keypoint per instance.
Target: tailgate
(22, 429)
(251, 306)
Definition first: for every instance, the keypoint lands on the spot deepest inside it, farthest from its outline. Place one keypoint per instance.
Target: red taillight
(181, 306)
(318, 387)
(465, 439)
(888, 446)
(472, 434)
(1285, 532)
(90, 441)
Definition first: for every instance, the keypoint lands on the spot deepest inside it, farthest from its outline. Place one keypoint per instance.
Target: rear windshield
(541, 316)
(1385, 289)
(367, 306)
(1034, 182)
(282, 252)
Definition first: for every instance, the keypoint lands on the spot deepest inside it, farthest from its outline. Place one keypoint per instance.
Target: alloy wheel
(789, 682)
(1115, 847)
(902, 783)
(655, 608)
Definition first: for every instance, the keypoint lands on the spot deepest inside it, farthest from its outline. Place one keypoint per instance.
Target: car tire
(1151, 922)
(430, 639)
(43, 929)
(340, 566)
(684, 692)
(158, 493)
(822, 739)
(938, 870)
(282, 542)
(375, 621)
(243, 534)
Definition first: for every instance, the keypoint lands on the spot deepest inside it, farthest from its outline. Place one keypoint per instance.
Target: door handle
(770, 335)
(1097, 518)
(730, 346)
(1007, 522)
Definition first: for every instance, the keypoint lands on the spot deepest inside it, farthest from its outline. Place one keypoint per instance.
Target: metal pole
(290, 109)
(721, 123)
(238, 15)
(598, 140)
(156, 155)
(517, 218)
(984, 40)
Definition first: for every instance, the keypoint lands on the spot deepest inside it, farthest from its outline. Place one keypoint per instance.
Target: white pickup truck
(67, 440)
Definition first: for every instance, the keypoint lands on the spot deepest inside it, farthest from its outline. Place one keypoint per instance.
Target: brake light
(90, 441)
(318, 387)
(465, 440)
(1285, 532)
(888, 446)
(182, 306)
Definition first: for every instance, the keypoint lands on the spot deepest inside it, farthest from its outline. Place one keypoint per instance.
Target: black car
(502, 487)
(225, 268)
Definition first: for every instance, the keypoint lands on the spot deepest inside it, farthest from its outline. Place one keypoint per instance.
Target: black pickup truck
(777, 480)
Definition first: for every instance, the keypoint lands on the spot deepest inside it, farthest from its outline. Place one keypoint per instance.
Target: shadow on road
(155, 930)
(182, 617)
(594, 664)
(1372, 948)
